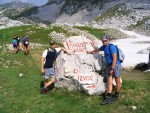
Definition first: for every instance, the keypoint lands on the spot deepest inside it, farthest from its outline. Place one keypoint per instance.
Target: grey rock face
(78, 70)
(6, 22)
(49, 12)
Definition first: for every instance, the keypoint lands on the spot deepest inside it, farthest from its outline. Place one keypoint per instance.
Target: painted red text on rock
(85, 78)
(78, 47)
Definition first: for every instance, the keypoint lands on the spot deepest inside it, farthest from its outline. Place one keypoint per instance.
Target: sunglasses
(104, 40)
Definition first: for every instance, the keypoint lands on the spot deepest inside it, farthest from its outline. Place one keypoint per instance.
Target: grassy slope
(96, 32)
(21, 94)
(112, 12)
(139, 23)
(34, 33)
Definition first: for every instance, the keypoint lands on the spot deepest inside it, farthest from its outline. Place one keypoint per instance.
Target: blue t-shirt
(108, 54)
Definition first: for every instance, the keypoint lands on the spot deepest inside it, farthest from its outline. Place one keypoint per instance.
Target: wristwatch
(111, 69)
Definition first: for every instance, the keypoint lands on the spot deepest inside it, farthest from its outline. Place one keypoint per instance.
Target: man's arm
(114, 56)
(94, 51)
(113, 63)
(42, 65)
(65, 50)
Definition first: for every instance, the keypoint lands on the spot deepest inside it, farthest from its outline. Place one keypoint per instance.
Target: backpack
(25, 41)
(14, 42)
(120, 54)
(18, 39)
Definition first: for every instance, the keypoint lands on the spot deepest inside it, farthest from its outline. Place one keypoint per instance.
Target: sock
(117, 93)
(108, 94)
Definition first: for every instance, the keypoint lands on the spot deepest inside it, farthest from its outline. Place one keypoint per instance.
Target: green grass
(34, 33)
(96, 32)
(21, 94)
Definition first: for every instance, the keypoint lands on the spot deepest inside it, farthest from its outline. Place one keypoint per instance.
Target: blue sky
(36, 2)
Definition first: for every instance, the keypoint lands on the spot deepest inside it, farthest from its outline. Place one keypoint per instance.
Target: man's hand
(68, 52)
(88, 52)
(42, 71)
(111, 72)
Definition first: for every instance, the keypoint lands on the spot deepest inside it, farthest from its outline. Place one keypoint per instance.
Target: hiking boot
(115, 97)
(107, 100)
(44, 91)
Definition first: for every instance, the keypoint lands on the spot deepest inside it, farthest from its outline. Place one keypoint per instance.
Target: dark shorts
(117, 70)
(26, 45)
(18, 44)
(15, 46)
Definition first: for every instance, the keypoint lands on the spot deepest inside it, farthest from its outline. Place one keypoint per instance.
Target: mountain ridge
(118, 14)
(16, 4)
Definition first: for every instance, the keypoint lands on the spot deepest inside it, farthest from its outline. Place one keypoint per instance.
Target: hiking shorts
(14, 46)
(26, 45)
(49, 73)
(117, 70)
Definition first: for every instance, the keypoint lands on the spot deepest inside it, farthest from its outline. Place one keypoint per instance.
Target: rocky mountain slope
(13, 8)
(131, 14)
(16, 4)
(117, 14)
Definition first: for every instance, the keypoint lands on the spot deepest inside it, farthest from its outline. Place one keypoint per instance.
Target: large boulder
(78, 70)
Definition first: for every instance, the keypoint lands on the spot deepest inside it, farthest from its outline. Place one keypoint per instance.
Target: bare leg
(25, 50)
(15, 50)
(118, 85)
(109, 84)
(49, 82)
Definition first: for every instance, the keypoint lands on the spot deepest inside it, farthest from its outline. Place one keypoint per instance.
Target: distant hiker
(25, 43)
(113, 69)
(15, 43)
(48, 57)
(18, 42)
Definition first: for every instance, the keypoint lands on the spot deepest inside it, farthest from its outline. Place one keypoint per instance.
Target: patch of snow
(130, 49)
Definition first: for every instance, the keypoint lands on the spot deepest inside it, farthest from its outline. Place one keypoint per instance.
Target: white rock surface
(5, 22)
(78, 70)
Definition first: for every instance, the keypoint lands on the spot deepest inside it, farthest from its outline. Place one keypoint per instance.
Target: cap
(105, 37)
(52, 42)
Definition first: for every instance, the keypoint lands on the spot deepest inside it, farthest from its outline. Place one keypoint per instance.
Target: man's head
(52, 44)
(105, 40)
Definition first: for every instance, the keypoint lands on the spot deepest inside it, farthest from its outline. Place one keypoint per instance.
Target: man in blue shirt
(113, 68)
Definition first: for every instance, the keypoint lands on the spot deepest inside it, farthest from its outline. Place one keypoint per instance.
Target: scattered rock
(134, 107)
(147, 71)
(5, 22)
(20, 75)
